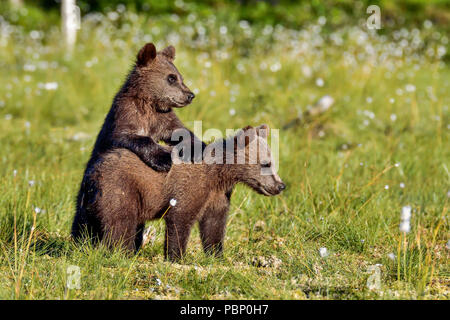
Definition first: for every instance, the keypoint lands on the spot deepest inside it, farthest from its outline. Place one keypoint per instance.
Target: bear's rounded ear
(263, 131)
(245, 136)
(169, 53)
(146, 55)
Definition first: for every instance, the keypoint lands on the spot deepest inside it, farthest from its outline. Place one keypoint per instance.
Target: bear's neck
(222, 177)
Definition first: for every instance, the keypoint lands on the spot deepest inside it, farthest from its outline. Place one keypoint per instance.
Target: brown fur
(140, 116)
(131, 193)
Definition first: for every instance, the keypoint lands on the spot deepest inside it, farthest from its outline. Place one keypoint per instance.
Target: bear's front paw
(162, 161)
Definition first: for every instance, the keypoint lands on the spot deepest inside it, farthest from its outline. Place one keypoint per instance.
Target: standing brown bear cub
(140, 116)
(130, 193)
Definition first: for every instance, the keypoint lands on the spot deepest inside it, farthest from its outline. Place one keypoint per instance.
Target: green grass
(336, 166)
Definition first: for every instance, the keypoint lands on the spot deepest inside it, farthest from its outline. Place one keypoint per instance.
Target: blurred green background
(289, 13)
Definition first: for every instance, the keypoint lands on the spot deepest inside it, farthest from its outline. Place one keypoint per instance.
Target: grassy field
(383, 145)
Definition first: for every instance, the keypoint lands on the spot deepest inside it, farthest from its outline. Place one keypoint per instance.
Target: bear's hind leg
(122, 233)
(177, 236)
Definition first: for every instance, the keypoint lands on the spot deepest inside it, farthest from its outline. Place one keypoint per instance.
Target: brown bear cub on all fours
(131, 193)
(140, 117)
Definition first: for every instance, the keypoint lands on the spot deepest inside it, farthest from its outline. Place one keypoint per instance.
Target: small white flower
(410, 88)
(31, 183)
(406, 213)
(322, 20)
(29, 67)
(223, 30)
(391, 256)
(232, 112)
(397, 165)
(325, 103)
(391, 100)
(173, 202)
(393, 117)
(48, 86)
(37, 210)
(14, 173)
(158, 282)
(405, 226)
(320, 82)
(402, 185)
(113, 16)
(275, 67)
(369, 100)
(323, 252)
(386, 187)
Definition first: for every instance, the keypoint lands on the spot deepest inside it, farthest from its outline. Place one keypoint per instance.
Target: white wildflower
(322, 20)
(29, 67)
(223, 30)
(31, 183)
(275, 67)
(405, 226)
(48, 86)
(113, 16)
(393, 117)
(37, 210)
(391, 256)
(173, 202)
(325, 103)
(320, 82)
(410, 88)
(323, 252)
(406, 213)
(402, 185)
(232, 112)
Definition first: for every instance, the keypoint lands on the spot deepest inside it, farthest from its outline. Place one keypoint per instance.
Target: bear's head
(157, 78)
(254, 160)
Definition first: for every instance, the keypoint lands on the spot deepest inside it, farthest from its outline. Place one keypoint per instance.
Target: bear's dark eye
(266, 165)
(171, 78)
